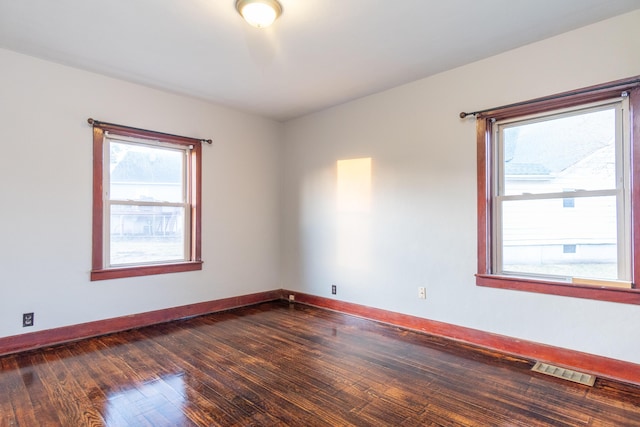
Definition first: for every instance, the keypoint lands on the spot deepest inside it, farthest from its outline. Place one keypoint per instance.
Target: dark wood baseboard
(30, 341)
(600, 366)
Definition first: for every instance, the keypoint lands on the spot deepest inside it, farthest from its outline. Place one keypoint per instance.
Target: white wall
(420, 228)
(46, 196)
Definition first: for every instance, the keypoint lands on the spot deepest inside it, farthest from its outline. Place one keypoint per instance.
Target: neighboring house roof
(598, 166)
(137, 167)
(550, 147)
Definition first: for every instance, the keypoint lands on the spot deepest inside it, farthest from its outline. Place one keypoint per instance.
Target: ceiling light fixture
(259, 13)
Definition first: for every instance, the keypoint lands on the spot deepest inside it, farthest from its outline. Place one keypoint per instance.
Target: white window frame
(621, 192)
(108, 202)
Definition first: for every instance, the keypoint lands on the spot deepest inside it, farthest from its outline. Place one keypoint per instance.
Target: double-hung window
(146, 202)
(556, 206)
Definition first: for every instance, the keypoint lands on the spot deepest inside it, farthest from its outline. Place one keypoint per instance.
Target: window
(556, 202)
(146, 202)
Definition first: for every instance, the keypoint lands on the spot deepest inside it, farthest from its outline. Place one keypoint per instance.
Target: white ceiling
(319, 53)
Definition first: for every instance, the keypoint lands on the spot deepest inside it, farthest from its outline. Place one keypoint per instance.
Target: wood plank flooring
(277, 364)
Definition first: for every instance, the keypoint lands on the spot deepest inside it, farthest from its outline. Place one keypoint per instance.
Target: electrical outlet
(334, 290)
(27, 319)
(422, 293)
(292, 298)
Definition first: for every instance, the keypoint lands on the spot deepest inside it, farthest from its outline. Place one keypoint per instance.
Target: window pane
(146, 234)
(542, 237)
(563, 154)
(143, 173)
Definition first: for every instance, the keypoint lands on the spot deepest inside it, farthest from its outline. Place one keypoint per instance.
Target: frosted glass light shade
(259, 13)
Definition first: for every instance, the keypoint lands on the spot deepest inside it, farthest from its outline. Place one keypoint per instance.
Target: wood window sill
(146, 270)
(612, 294)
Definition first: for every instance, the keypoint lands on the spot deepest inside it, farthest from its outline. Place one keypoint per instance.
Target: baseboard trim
(600, 366)
(603, 367)
(45, 338)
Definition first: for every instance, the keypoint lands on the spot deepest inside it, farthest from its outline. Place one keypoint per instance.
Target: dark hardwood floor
(277, 364)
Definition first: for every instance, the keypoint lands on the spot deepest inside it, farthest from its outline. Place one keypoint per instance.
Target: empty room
(320, 213)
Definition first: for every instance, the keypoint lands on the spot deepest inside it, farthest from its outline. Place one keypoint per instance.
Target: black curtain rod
(552, 97)
(98, 123)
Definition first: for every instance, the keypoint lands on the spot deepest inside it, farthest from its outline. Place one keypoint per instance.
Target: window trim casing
(485, 155)
(98, 270)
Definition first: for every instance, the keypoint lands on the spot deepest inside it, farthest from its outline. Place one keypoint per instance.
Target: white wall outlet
(422, 293)
(292, 298)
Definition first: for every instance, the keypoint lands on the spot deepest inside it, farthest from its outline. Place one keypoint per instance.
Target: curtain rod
(98, 123)
(621, 84)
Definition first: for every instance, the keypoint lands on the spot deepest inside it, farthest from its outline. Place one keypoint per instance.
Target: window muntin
(546, 162)
(146, 202)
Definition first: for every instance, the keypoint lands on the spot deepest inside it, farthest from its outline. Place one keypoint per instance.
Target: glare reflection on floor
(157, 402)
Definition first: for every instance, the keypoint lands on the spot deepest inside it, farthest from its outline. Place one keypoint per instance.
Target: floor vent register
(566, 374)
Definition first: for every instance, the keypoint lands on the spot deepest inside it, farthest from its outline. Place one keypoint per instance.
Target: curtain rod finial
(463, 114)
(90, 121)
